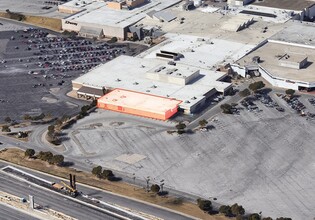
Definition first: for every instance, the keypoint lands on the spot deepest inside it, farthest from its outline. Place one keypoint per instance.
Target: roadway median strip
(83, 199)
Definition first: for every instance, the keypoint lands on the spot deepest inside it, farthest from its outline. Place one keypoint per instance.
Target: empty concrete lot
(262, 160)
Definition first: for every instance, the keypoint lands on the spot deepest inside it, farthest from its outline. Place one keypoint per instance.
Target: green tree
(290, 92)
(27, 117)
(226, 210)
(6, 128)
(203, 123)
(256, 85)
(57, 159)
(237, 209)
(97, 171)
(29, 153)
(204, 204)
(254, 216)
(155, 188)
(180, 128)
(7, 120)
(46, 156)
(51, 128)
(226, 108)
(113, 40)
(107, 173)
(244, 93)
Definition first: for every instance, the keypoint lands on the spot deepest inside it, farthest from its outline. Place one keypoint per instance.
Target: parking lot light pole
(148, 181)
(161, 185)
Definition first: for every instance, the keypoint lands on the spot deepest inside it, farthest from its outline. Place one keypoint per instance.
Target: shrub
(7, 120)
(6, 128)
(244, 93)
(226, 108)
(226, 210)
(237, 209)
(155, 188)
(290, 92)
(256, 85)
(203, 123)
(97, 171)
(267, 218)
(254, 216)
(57, 159)
(106, 174)
(29, 153)
(51, 128)
(113, 40)
(46, 156)
(204, 204)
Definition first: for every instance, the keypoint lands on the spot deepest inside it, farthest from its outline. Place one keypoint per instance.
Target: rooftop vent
(193, 98)
(118, 80)
(135, 83)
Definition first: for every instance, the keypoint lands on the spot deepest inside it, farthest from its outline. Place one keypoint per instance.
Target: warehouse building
(109, 18)
(285, 60)
(189, 85)
(139, 104)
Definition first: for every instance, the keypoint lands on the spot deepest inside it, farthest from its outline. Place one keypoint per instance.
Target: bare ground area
(40, 21)
(16, 156)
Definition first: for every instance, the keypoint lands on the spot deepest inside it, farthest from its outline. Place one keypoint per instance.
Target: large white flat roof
(104, 15)
(297, 32)
(199, 52)
(270, 53)
(129, 73)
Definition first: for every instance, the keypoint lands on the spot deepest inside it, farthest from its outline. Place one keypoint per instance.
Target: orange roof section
(140, 104)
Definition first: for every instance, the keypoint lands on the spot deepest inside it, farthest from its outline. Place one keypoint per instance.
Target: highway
(50, 200)
(13, 214)
(103, 196)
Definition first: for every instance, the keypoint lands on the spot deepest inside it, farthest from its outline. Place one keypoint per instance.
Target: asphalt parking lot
(37, 66)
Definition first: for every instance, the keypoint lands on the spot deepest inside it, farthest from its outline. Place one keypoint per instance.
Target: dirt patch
(15, 155)
(44, 22)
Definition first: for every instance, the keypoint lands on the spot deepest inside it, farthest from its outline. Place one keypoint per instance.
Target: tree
(256, 85)
(7, 120)
(180, 127)
(290, 92)
(226, 108)
(204, 204)
(226, 210)
(106, 174)
(97, 171)
(51, 128)
(203, 123)
(244, 93)
(155, 188)
(237, 209)
(57, 159)
(254, 216)
(27, 117)
(6, 128)
(113, 40)
(46, 156)
(29, 153)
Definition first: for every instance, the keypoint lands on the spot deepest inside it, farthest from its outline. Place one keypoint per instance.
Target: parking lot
(258, 158)
(37, 66)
